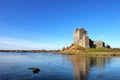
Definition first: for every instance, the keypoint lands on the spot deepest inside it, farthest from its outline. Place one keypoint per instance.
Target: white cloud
(100, 37)
(14, 43)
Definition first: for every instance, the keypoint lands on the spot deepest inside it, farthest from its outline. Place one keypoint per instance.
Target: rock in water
(35, 70)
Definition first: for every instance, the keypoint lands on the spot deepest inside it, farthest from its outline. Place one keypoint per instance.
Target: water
(14, 66)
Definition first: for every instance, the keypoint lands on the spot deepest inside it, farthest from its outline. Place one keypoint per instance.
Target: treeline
(29, 50)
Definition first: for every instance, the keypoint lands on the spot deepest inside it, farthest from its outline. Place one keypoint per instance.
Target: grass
(97, 50)
(102, 50)
(78, 49)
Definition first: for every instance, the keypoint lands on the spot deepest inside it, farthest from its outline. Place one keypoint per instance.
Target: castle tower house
(81, 38)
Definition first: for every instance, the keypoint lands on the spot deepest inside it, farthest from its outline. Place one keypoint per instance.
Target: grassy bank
(102, 50)
(98, 50)
(78, 50)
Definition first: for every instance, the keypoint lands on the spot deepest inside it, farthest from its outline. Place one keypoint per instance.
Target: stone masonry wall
(81, 38)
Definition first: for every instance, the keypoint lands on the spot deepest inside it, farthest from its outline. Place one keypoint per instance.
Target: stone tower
(81, 38)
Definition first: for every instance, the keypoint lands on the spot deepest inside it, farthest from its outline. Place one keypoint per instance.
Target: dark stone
(34, 70)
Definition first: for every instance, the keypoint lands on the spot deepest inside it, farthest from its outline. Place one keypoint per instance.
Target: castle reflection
(82, 64)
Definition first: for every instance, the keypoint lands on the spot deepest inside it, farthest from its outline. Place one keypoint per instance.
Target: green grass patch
(97, 50)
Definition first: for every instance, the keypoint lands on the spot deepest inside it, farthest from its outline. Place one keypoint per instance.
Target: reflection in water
(82, 64)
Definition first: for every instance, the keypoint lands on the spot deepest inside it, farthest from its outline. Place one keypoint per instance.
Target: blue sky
(49, 24)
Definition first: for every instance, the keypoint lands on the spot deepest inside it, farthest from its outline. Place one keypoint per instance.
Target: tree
(108, 46)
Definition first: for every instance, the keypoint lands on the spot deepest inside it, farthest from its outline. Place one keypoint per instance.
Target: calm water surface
(14, 66)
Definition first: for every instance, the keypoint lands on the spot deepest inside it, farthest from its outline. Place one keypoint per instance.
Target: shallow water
(14, 66)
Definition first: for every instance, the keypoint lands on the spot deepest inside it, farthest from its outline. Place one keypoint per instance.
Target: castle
(81, 38)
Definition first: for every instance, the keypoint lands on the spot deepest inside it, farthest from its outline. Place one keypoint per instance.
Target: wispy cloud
(101, 37)
(20, 38)
(14, 43)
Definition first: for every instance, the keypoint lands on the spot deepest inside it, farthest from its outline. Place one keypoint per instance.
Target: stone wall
(98, 44)
(81, 38)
